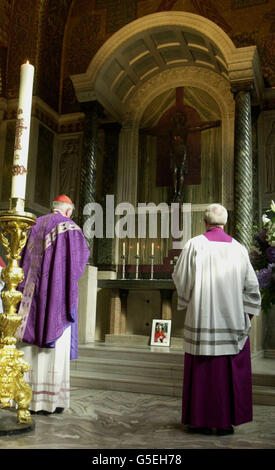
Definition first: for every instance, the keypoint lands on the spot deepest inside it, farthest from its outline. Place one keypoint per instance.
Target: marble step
(127, 367)
(263, 379)
(269, 353)
(126, 383)
(141, 341)
(150, 353)
(263, 372)
(154, 370)
(263, 395)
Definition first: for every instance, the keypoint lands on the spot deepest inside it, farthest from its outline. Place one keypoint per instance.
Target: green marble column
(243, 197)
(88, 165)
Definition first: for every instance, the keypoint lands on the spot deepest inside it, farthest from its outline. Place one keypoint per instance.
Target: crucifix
(178, 135)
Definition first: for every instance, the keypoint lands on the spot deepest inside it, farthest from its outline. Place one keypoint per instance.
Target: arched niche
(198, 78)
(204, 179)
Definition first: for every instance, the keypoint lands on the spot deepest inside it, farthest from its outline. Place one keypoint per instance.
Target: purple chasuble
(217, 390)
(53, 261)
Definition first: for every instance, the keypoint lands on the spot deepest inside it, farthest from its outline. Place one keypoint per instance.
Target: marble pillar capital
(245, 73)
(245, 86)
(89, 107)
(129, 123)
(128, 126)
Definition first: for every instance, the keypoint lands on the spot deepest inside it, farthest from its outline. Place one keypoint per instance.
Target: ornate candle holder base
(9, 426)
(14, 226)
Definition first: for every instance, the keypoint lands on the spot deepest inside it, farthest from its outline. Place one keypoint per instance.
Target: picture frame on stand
(161, 332)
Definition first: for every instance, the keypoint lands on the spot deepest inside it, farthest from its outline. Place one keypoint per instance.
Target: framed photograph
(161, 332)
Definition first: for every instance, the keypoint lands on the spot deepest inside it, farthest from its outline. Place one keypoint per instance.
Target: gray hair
(215, 214)
(62, 206)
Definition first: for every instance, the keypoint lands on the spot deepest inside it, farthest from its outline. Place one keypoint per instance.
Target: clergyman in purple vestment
(53, 260)
(218, 287)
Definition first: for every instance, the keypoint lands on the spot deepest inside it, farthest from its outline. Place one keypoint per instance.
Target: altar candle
(153, 246)
(123, 249)
(22, 132)
(137, 248)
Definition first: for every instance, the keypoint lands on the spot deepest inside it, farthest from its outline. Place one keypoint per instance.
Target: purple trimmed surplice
(217, 390)
(53, 261)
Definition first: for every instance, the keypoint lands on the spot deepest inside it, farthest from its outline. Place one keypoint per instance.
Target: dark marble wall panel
(3, 68)
(53, 20)
(44, 167)
(23, 41)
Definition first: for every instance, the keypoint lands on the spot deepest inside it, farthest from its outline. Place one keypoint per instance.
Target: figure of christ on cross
(177, 130)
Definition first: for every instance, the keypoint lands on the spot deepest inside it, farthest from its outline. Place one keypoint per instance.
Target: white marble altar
(87, 305)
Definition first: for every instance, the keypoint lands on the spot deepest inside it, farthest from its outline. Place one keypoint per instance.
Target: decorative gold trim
(57, 230)
(14, 227)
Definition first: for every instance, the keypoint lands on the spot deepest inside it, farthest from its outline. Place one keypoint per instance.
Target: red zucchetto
(64, 198)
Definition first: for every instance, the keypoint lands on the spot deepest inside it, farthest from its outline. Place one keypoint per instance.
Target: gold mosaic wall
(61, 38)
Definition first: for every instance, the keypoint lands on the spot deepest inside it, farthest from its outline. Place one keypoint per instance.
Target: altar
(118, 299)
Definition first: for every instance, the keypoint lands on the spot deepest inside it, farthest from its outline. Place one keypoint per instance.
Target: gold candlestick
(14, 227)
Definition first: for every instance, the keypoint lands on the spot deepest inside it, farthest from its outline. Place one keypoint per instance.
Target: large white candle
(153, 249)
(137, 248)
(22, 132)
(123, 249)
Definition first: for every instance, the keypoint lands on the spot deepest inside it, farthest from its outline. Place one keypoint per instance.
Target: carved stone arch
(114, 75)
(161, 19)
(161, 50)
(214, 84)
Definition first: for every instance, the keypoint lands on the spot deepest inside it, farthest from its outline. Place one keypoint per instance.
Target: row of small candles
(137, 259)
(137, 252)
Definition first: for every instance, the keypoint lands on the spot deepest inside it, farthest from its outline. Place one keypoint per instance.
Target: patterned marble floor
(122, 420)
